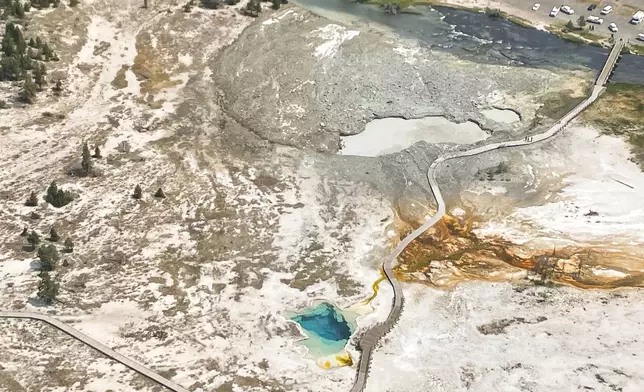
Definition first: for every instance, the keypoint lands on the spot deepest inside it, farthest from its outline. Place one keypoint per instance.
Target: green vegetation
(620, 112)
(22, 61)
(58, 197)
(33, 239)
(48, 256)
(69, 245)
(47, 288)
(32, 201)
(138, 192)
(556, 105)
(53, 235)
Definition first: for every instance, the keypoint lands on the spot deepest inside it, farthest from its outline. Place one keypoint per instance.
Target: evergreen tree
(97, 153)
(86, 162)
(32, 42)
(8, 44)
(32, 201)
(212, 4)
(58, 87)
(69, 245)
(47, 288)
(58, 197)
(73, 3)
(276, 4)
(138, 192)
(26, 63)
(56, 3)
(19, 11)
(53, 235)
(39, 43)
(28, 93)
(25, 232)
(48, 256)
(27, 7)
(39, 77)
(10, 68)
(21, 44)
(33, 239)
(159, 193)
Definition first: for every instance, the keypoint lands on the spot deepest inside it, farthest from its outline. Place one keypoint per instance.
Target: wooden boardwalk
(370, 339)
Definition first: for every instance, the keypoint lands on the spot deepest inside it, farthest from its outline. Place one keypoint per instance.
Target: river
(477, 37)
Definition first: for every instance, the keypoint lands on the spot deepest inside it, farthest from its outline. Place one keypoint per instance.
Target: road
(370, 339)
(97, 346)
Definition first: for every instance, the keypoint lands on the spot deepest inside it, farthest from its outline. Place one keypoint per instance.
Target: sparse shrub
(58, 87)
(69, 245)
(24, 232)
(53, 235)
(138, 192)
(97, 153)
(124, 147)
(159, 193)
(493, 12)
(211, 4)
(3, 104)
(28, 92)
(47, 288)
(86, 162)
(58, 197)
(569, 26)
(73, 3)
(33, 239)
(32, 201)
(48, 256)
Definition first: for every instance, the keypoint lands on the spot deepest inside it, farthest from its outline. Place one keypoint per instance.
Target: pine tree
(58, 197)
(73, 3)
(25, 232)
(276, 4)
(32, 201)
(28, 93)
(21, 44)
(53, 235)
(48, 256)
(86, 162)
(32, 42)
(69, 245)
(39, 43)
(19, 11)
(39, 77)
(97, 153)
(58, 87)
(159, 193)
(138, 192)
(47, 288)
(26, 63)
(27, 7)
(33, 239)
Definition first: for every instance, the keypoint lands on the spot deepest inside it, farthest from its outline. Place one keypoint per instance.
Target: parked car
(536, 6)
(640, 37)
(595, 19)
(637, 18)
(567, 10)
(554, 11)
(612, 27)
(592, 7)
(606, 10)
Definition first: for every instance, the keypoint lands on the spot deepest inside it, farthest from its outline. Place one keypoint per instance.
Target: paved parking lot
(621, 14)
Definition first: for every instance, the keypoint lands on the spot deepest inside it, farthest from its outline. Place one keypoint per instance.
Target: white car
(567, 10)
(536, 6)
(595, 19)
(554, 11)
(640, 37)
(606, 10)
(612, 27)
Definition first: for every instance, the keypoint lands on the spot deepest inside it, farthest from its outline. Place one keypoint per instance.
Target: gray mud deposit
(300, 80)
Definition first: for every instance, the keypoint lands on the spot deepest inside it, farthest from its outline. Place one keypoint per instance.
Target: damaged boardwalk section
(370, 339)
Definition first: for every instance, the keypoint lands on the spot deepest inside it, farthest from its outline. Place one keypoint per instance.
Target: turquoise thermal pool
(327, 327)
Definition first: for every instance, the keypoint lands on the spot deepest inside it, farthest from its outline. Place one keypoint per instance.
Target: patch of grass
(556, 105)
(636, 49)
(120, 81)
(620, 112)
(147, 69)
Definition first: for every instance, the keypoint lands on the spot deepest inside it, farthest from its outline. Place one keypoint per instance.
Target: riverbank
(527, 18)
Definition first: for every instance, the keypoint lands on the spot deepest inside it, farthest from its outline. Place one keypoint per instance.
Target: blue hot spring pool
(327, 327)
